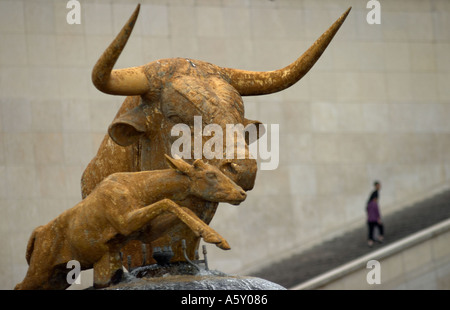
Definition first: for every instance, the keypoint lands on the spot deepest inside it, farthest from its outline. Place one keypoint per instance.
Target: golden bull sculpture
(160, 94)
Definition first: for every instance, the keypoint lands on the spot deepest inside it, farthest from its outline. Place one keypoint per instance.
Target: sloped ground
(351, 245)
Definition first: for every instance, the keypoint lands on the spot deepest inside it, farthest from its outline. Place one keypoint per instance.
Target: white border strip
(384, 252)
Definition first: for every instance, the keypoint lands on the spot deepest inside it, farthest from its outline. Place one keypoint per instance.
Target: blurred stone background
(375, 106)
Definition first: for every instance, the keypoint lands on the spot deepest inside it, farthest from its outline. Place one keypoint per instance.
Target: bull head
(176, 83)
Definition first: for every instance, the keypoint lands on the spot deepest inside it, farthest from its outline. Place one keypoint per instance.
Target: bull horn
(129, 81)
(251, 83)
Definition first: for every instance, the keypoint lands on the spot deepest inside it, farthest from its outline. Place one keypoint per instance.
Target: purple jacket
(373, 212)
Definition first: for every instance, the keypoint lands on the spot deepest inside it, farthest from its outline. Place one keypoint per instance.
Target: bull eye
(229, 167)
(211, 175)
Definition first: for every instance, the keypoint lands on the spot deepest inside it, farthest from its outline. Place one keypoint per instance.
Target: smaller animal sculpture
(121, 208)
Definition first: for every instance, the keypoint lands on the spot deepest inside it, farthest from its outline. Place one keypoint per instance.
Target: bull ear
(128, 128)
(178, 164)
(249, 135)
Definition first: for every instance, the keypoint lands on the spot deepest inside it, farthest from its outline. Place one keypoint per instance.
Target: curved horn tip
(136, 11)
(344, 16)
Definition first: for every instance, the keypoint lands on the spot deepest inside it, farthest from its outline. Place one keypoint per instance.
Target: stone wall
(375, 106)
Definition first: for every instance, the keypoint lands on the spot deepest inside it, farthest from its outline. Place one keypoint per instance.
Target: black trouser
(372, 226)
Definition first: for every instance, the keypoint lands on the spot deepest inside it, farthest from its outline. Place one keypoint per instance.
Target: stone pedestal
(185, 277)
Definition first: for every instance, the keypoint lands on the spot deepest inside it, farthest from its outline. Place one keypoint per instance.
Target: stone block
(77, 149)
(423, 57)
(372, 56)
(48, 148)
(397, 57)
(154, 48)
(41, 49)
(98, 19)
(442, 57)
(46, 116)
(9, 87)
(323, 85)
(156, 22)
(39, 17)
(16, 115)
(326, 148)
(324, 116)
(372, 87)
(52, 181)
(346, 56)
(42, 82)
(239, 53)
(376, 117)
(236, 22)
(75, 84)
(399, 87)
(70, 50)
(441, 21)
(210, 22)
(297, 149)
(424, 86)
(442, 87)
(13, 50)
(182, 21)
(18, 149)
(12, 18)
(18, 179)
(76, 116)
(3, 191)
(302, 180)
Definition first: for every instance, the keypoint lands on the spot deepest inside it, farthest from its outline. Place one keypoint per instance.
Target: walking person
(374, 216)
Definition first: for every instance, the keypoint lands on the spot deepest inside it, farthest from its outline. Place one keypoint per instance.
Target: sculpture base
(184, 277)
(198, 282)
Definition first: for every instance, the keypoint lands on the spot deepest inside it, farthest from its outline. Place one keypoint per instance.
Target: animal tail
(30, 245)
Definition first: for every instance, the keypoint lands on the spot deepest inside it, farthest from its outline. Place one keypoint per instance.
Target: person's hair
(376, 183)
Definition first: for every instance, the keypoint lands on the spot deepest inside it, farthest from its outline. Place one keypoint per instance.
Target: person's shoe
(380, 239)
(370, 243)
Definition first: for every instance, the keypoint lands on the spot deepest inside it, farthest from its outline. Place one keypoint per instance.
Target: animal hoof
(223, 245)
(211, 237)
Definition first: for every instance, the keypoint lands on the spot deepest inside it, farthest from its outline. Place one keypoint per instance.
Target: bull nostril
(243, 194)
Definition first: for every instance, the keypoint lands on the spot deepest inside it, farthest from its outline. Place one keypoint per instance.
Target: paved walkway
(351, 245)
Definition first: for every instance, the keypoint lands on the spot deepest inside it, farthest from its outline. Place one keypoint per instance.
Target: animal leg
(207, 233)
(37, 277)
(137, 219)
(40, 265)
(108, 270)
